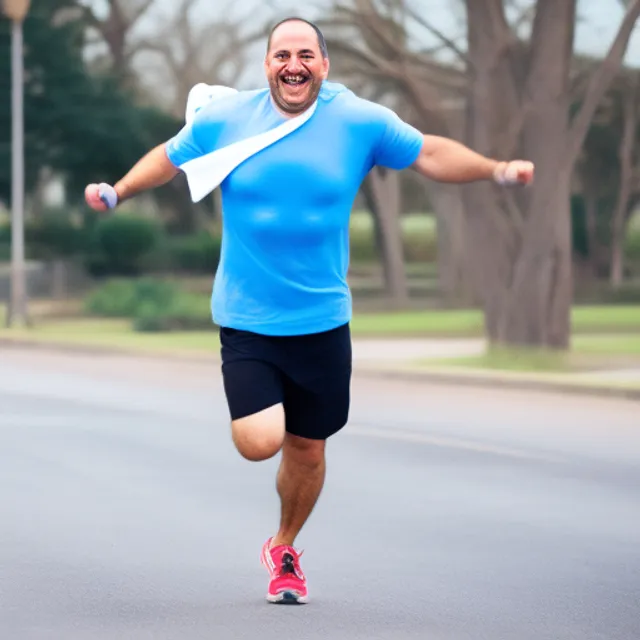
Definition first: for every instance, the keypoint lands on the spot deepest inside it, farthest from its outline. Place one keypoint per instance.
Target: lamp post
(16, 11)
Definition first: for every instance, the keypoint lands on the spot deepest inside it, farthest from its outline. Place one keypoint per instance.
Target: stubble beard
(299, 107)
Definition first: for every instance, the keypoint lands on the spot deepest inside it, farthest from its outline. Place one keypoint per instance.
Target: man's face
(295, 67)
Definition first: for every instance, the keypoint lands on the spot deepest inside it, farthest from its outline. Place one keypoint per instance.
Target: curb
(502, 382)
(433, 376)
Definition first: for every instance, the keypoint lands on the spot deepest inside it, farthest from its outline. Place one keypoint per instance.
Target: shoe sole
(287, 597)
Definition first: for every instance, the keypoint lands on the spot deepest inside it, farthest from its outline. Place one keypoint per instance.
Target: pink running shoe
(287, 584)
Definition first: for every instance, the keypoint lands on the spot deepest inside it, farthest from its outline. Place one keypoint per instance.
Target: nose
(294, 64)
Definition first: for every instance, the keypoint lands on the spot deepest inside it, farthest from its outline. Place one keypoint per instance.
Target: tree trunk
(382, 194)
(525, 245)
(454, 279)
(537, 305)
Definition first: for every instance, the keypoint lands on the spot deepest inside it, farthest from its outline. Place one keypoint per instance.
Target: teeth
(294, 79)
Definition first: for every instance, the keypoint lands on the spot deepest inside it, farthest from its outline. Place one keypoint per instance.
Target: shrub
(54, 236)
(123, 298)
(198, 253)
(153, 305)
(121, 242)
(187, 312)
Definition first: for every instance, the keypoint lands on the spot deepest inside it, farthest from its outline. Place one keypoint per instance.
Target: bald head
(296, 65)
(322, 43)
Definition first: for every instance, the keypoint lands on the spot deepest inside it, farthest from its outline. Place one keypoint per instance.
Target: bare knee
(259, 436)
(305, 452)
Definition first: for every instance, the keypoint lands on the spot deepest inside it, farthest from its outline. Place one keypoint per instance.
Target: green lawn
(587, 352)
(601, 335)
(454, 323)
(117, 334)
(428, 323)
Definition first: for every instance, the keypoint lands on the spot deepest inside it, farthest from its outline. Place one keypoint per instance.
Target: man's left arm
(445, 160)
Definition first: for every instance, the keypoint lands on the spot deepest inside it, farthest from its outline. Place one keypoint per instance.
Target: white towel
(206, 173)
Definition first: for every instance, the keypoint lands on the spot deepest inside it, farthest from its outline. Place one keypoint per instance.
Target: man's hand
(515, 172)
(101, 197)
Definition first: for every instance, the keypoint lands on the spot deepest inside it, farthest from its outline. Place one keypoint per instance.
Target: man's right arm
(152, 170)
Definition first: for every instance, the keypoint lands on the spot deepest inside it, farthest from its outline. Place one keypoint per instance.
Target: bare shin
(299, 483)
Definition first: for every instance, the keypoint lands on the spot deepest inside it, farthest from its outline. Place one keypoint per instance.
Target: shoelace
(290, 564)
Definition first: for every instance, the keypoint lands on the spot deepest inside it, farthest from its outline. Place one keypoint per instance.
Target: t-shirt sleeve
(399, 144)
(185, 145)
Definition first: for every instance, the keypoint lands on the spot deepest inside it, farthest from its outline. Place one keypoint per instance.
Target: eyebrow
(299, 51)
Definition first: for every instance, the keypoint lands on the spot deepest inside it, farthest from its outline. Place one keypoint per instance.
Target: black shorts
(309, 374)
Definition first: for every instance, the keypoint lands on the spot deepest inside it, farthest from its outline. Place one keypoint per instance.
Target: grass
(116, 334)
(588, 352)
(459, 323)
(426, 323)
(623, 345)
(510, 360)
(419, 323)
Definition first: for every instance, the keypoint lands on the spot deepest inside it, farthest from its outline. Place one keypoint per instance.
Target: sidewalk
(404, 359)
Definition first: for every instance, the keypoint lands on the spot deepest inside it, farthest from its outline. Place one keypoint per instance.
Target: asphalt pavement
(448, 513)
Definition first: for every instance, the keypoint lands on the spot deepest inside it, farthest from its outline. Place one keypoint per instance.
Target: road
(448, 514)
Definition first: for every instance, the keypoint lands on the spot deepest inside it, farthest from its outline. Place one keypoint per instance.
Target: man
(280, 293)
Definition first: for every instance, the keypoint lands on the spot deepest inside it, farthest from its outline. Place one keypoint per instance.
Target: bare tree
(518, 103)
(370, 43)
(116, 31)
(192, 51)
(526, 253)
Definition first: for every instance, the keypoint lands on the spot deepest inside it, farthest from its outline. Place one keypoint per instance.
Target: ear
(325, 68)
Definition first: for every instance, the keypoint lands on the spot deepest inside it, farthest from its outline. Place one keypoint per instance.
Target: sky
(597, 24)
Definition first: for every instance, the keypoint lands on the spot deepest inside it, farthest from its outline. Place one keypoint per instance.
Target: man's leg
(299, 483)
(260, 435)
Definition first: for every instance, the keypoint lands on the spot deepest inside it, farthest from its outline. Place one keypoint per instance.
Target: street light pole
(16, 11)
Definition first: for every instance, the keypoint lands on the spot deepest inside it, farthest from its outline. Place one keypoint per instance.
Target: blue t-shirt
(285, 237)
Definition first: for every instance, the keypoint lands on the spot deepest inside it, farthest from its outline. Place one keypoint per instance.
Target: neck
(288, 114)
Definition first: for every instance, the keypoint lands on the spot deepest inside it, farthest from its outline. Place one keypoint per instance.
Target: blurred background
(551, 272)
(456, 506)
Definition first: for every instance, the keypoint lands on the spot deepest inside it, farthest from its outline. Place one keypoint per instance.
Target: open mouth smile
(294, 80)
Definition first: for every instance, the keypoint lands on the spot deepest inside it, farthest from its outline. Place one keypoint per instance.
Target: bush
(153, 305)
(121, 242)
(187, 312)
(124, 298)
(195, 254)
(53, 235)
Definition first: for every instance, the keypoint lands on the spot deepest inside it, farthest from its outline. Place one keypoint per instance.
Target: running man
(280, 294)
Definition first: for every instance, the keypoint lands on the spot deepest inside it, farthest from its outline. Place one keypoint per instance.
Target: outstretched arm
(152, 170)
(446, 160)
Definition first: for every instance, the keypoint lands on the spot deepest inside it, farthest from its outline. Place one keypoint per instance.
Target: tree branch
(601, 80)
(448, 42)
